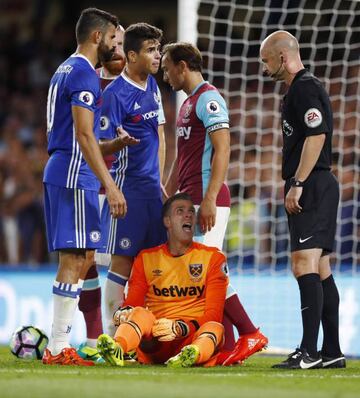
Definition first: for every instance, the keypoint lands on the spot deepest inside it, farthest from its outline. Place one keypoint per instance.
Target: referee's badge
(313, 117)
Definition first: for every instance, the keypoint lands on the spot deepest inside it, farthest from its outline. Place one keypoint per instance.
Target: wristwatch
(296, 183)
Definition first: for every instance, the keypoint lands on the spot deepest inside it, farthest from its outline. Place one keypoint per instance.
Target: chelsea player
(71, 175)
(133, 102)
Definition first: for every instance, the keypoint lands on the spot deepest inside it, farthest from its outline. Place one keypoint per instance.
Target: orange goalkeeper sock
(208, 338)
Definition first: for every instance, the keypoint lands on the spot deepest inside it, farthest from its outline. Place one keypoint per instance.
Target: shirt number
(50, 107)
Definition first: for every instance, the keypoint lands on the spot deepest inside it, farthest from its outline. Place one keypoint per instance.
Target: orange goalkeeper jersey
(191, 287)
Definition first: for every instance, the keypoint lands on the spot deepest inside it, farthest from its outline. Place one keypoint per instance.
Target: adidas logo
(252, 343)
(136, 106)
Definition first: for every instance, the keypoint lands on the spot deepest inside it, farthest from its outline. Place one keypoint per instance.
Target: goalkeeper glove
(121, 315)
(167, 330)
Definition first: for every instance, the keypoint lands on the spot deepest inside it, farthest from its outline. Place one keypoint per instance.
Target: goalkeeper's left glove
(168, 330)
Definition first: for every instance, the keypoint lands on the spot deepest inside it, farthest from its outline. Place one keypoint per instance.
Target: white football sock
(114, 298)
(65, 301)
(91, 343)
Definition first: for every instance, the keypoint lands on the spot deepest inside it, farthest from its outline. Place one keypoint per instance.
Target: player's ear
(182, 65)
(166, 221)
(131, 56)
(97, 36)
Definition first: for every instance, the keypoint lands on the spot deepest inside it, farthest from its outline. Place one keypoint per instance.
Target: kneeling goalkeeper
(175, 301)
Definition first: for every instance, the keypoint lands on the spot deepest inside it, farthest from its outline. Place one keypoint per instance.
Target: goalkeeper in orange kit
(175, 301)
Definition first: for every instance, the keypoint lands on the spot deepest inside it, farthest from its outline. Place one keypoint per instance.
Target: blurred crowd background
(37, 35)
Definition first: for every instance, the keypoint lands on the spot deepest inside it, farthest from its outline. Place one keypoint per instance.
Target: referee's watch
(296, 183)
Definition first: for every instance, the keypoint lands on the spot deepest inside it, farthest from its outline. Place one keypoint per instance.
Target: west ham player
(311, 200)
(176, 297)
(132, 101)
(200, 170)
(71, 175)
(90, 297)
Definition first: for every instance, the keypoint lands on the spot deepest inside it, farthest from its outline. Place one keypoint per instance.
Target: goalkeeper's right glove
(121, 315)
(167, 329)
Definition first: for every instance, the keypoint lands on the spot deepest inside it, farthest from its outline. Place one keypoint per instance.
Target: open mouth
(187, 227)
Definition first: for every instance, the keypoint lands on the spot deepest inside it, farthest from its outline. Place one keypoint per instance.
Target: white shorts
(102, 258)
(216, 236)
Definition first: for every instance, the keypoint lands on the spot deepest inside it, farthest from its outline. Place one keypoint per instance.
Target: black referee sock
(330, 319)
(311, 296)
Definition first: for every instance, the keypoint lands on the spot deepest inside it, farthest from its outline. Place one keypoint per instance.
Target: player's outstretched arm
(84, 130)
(220, 140)
(123, 139)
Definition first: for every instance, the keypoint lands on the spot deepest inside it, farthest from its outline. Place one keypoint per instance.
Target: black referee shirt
(306, 111)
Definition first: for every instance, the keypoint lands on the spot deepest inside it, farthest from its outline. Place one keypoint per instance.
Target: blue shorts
(72, 218)
(141, 228)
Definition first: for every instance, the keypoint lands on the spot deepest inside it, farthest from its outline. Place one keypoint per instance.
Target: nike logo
(304, 240)
(304, 365)
(333, 361)
(303, 309)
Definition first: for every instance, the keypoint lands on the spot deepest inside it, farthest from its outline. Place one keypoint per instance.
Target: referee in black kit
(311, 200)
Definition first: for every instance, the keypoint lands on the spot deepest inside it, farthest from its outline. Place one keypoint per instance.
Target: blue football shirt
(136, 109)
(75, 82)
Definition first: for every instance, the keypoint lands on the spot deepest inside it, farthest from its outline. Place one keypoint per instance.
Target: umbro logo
(136, 106)
(305, 239)
(157, 272)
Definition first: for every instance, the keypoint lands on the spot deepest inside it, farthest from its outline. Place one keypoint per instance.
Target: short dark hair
(91, 19)
(137, 33)
(178, 196)
(186, 52)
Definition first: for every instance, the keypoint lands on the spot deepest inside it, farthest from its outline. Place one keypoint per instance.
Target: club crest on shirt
(95, 236)
(86, 97)
(125, 243)
(157, 98)
(313, 117)
(195, 271)
(104, 123)
(213, 107)
(188, 111)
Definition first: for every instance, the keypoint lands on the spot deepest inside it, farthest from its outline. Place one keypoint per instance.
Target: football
(28, 342)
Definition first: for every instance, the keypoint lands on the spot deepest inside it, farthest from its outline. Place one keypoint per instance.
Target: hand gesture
(207, 215)
(126, 139)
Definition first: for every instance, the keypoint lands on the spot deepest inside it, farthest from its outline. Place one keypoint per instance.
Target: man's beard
(116, 64)
(105, 53)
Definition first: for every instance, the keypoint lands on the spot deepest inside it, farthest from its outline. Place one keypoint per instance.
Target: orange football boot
(68, 356)
(247, 345)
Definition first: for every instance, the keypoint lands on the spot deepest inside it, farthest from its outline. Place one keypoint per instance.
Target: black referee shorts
(315, 226)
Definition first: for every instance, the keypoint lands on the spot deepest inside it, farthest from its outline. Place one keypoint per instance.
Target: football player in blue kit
(72, 174)
(133, 101)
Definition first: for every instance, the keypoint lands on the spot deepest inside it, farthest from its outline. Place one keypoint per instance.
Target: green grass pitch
(254, 379)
